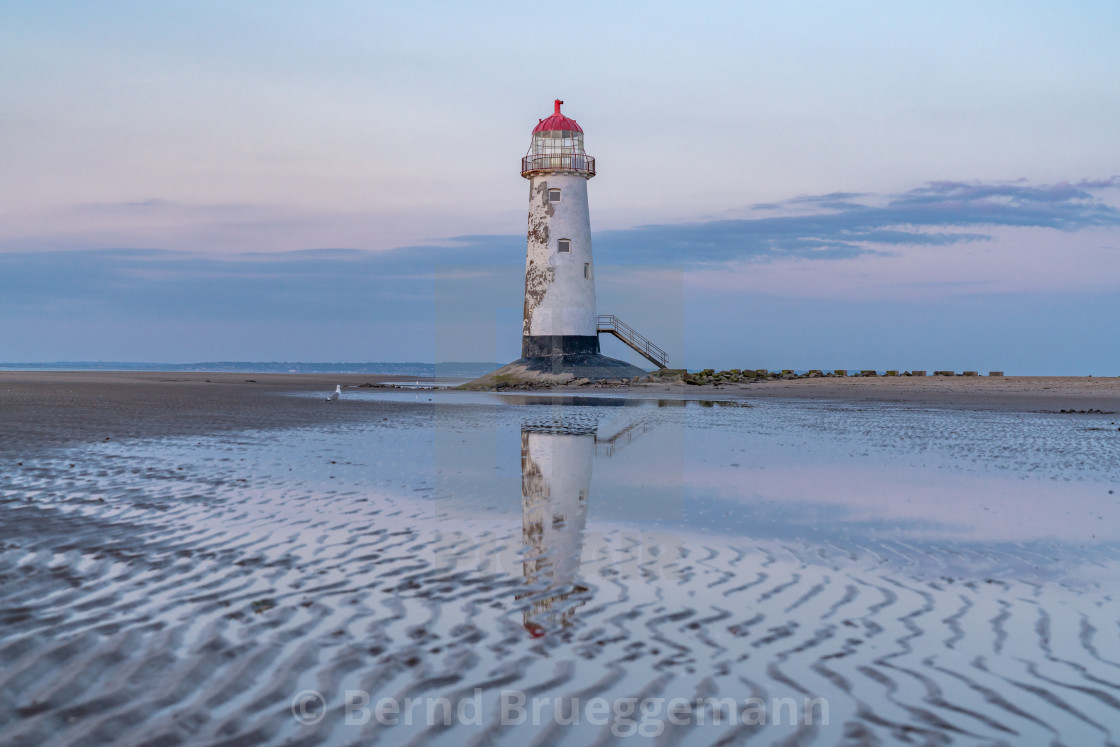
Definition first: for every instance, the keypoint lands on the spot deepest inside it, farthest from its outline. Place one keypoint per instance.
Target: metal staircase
(613, 325)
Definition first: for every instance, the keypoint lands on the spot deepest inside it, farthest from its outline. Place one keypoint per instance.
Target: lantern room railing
(536, 162)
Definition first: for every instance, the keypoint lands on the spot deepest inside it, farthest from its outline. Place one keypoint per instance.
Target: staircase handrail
(629, 335)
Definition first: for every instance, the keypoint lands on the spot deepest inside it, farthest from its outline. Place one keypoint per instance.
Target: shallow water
(932, 576)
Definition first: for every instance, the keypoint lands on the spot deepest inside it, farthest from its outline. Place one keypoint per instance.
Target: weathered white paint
(559, 299)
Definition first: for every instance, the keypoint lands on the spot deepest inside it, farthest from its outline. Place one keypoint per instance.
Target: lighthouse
(561, 325)
(560, 318)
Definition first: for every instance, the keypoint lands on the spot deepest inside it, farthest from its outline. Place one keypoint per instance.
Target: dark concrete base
(593, 366)
(541, 346)
(557, 369)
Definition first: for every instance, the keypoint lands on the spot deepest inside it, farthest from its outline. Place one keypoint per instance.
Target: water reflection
(558, 448)
(555, 486)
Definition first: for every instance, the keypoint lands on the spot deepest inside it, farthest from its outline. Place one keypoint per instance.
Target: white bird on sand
(335, 394)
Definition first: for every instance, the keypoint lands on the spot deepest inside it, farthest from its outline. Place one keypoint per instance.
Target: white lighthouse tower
(561, 326)
(560, 317)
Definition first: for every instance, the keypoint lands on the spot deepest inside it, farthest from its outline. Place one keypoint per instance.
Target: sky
(782, 185)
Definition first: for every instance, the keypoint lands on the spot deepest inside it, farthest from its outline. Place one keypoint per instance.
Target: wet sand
(229, 547)
(49, 408)
(1024, 393)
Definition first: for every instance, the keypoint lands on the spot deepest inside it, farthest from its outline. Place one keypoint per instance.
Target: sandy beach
(52, 408)
(226, 559)
(58, 408)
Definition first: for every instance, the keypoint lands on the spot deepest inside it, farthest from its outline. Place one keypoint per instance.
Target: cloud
(1062, 206)
(1099, 183)
(121, 284)
(842, 225)
(395, 284)
(832, 226)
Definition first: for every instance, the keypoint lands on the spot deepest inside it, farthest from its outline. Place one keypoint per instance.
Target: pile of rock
(748, 375)
(711, 377)
(706, 377)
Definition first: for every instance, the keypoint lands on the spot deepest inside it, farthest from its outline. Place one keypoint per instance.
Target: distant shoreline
(465, 369)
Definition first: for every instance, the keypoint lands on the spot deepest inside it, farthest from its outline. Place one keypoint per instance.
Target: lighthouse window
(554, 195)
(587, 269)
(564, 245)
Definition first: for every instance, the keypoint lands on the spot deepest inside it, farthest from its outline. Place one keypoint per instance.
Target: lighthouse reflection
(556, 460)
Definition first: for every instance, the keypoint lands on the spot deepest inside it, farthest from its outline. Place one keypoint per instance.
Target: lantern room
(557, 147)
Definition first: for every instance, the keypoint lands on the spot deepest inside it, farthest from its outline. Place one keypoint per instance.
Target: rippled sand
(935, 576)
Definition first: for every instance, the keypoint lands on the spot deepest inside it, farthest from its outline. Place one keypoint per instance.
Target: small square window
(564, 245)
(554, 195)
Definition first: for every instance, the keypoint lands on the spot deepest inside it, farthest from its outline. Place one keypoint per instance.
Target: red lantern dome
(557, 121)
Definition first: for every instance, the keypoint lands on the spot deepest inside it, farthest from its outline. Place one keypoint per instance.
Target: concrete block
(995, 373)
